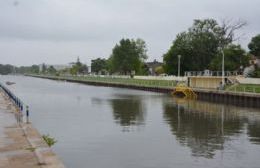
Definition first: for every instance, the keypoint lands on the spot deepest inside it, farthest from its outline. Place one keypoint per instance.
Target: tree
(44, 68)
(35, 69)
(254, 46)
(235, 57)
(141, 48)
(144, 70)
(228, 29)
(127, 56)
(159, 70)
(78, 68)
(51, 70)
(98, 65)
(6, 69)
(199, 45)
(83, 69)
(256, 73)
(28, 69)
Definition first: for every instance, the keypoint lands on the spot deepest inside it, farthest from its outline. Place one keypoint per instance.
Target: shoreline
(228, 97)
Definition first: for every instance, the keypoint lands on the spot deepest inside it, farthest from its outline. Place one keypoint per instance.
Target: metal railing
(211, 73)
(18, 103)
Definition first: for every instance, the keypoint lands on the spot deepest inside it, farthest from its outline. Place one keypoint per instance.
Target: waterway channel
(105, 127)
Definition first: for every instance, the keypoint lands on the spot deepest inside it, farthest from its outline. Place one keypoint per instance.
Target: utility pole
(179, 59)
(223, 68)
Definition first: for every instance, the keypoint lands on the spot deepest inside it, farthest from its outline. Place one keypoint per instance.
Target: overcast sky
(57, 31)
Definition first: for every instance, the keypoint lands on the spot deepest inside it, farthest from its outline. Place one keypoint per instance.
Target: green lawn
(245, 88)
(152, 83)
(125, 81)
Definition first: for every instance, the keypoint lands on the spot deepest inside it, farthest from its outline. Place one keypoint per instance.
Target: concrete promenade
(21, 146)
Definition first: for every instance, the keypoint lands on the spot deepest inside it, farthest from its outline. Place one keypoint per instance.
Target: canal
(103, 127)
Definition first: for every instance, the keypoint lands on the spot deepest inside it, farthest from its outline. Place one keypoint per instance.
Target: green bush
(49, 140)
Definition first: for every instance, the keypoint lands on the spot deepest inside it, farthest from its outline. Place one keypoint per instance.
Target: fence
(170, 78)
(18, 103)
(124, 81)
(211, 73)
(245, 88)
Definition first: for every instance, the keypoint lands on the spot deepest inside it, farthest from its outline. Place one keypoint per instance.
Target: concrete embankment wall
(120, 85)
(235, 98)
(21, 145)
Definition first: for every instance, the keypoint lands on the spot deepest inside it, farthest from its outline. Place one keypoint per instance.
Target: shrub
(49, 140)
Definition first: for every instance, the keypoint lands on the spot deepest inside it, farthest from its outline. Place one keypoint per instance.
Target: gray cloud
(57, 31)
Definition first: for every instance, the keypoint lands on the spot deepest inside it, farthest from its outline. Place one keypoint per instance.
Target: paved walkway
(21, 146)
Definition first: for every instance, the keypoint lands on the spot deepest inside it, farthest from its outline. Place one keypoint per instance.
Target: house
(152, 66)
(255, 61)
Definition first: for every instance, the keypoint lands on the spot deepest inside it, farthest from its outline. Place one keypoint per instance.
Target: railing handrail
(16, 100)
(210, 73)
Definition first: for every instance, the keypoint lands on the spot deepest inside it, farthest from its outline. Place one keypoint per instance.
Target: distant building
(255, 61)
(60, 67)
(57, 67)
(152, 66)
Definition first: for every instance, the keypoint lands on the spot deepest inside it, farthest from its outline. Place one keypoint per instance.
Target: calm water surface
(99, 127)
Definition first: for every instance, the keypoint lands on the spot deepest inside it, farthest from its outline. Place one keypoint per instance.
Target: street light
(223, 70)
(179, 58)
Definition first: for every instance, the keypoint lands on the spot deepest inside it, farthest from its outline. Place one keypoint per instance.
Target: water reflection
(128, 110)
(205, 127)
(254, 131)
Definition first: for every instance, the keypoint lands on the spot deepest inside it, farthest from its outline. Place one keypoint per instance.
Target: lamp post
(179, 59)
(223, 69)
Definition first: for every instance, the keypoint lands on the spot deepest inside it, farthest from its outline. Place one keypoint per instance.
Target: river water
(102, 127)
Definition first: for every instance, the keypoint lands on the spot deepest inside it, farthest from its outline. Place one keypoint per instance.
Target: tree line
(200, 47)
(35, 69)
(76, 68)
(9, 69)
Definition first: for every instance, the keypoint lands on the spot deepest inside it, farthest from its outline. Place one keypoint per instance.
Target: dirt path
(21, 146)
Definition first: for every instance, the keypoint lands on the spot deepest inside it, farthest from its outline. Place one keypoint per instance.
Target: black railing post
(27, 114)
(17, 102)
